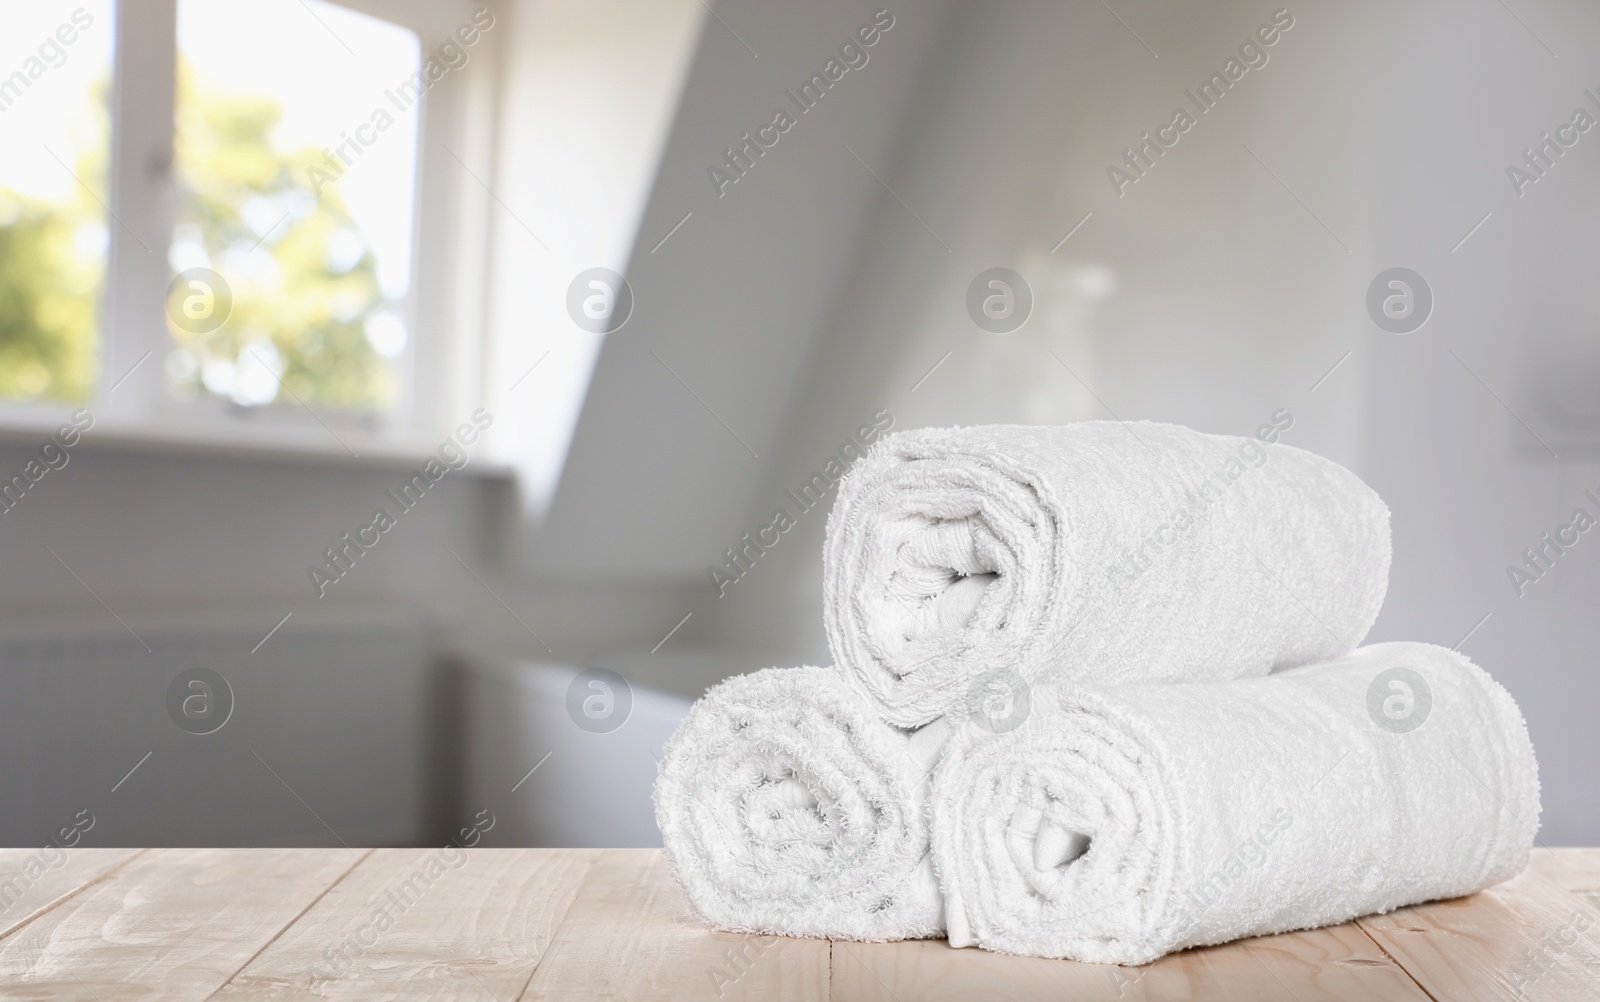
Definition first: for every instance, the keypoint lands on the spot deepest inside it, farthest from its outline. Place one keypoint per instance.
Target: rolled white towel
(786, 806)
(1100, 551)
(1120, 823)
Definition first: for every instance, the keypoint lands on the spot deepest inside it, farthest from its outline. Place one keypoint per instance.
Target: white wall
(1389, 127)
(1470, 486)
(588, 95)
(1204, 295)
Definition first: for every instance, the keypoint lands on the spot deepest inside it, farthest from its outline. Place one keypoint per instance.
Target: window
(237, 219)
(315, 254)
(55, 72)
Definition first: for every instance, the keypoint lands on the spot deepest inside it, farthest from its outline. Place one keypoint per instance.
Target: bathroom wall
(1228, 282)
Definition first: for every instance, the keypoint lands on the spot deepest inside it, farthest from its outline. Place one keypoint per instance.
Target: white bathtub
(586, 787)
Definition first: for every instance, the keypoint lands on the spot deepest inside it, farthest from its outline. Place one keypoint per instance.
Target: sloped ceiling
(689, 399)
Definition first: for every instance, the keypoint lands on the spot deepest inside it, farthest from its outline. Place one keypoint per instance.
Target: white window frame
(440, 371)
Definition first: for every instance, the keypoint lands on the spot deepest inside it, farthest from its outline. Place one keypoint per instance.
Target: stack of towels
(1098, 695)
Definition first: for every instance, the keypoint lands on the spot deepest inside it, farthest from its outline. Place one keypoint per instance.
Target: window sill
(277, 446)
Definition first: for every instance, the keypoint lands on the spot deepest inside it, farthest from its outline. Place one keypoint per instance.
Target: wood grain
(932, 970)
(1336, 963)
(1525, 940)
(476, 930)
(1323, 964)
(629, 935)
(32, 881)
(171, 923)
(503, 924)
(1575, 870)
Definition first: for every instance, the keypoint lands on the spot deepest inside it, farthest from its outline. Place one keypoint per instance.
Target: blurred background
(380, 380)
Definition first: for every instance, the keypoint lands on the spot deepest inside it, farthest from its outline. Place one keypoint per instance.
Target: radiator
(327, 740)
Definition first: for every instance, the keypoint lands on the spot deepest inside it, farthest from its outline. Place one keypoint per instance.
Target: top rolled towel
(1095, 552)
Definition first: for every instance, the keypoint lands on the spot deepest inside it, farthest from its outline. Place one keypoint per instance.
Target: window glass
(296, 163)
(55, 74)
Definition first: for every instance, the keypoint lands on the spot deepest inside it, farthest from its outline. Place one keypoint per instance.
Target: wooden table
(504, 924)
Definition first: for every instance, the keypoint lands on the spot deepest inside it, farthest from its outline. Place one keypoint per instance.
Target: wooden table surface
(504, 924)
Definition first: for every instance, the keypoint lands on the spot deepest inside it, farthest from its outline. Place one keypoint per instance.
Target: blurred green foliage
(302, 298)
(52, 266)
